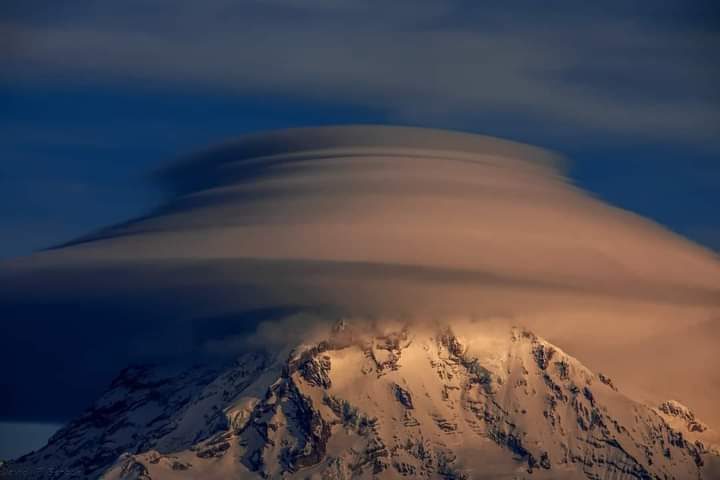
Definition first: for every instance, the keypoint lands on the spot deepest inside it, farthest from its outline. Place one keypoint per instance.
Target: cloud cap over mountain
(363, 221)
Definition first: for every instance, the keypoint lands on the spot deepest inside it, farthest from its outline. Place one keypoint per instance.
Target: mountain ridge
(410, 401)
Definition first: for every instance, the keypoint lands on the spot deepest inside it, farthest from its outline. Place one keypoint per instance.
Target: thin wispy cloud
(624, 72)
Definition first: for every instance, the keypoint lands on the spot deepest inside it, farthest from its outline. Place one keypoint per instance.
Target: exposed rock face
(680, 411)
(415, 403)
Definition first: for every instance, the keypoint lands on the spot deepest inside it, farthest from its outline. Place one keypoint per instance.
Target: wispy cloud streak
(621, 72)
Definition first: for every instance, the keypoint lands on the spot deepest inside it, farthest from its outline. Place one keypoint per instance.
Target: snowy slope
(415, 402)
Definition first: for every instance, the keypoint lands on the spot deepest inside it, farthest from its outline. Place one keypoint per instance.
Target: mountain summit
(410, 402)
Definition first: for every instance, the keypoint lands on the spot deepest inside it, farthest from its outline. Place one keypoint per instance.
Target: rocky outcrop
(678, 410)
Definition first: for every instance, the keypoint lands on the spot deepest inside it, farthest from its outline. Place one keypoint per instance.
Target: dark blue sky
(95, 96)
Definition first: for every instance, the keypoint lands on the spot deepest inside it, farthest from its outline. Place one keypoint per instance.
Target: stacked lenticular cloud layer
(402, 197)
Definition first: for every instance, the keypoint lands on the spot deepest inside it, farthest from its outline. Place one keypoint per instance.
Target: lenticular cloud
(372, 222)
(442, 204)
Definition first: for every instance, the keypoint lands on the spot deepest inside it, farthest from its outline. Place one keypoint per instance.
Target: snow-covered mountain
(410, 402)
